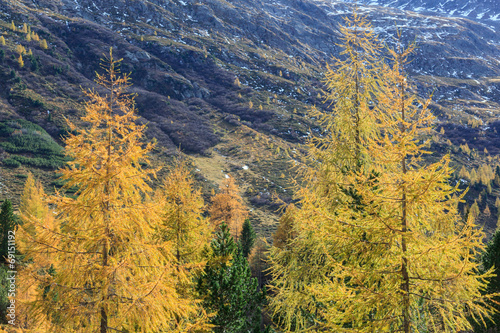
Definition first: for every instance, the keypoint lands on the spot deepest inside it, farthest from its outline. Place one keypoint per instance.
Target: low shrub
(38, 162)
(24, 137)
(11, 163)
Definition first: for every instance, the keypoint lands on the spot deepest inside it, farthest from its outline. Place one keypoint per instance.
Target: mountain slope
(229, 83)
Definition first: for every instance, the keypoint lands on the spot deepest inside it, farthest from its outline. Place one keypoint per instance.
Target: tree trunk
(405, 286)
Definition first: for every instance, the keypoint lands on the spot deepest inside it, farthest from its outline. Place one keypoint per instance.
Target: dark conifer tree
(228, 289)
(491, 258)
(247, 238)
(7, 223)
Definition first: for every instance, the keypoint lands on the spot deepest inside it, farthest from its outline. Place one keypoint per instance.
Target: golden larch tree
(463, 173)
(473, 177)
(115, 275)
(33, 202)
(37, 266)
(258, 261)
(20, 61)
(487, 211)
(182, 214)
(43, 44)
(413, 220)
(20, 49)
(227, 206)
(353, 84)
(285, 231)
(187, 232)
(390, 251)
(474, 210)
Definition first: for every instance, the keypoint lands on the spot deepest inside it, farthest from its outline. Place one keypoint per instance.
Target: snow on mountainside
(487, 10)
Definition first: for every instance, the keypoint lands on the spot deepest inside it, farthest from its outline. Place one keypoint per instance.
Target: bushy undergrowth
(23, 137)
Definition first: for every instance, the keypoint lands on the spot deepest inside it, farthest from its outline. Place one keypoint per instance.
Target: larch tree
(183, 222)
(474, 210)
(258, 260)
(487, 211)
(352, 84)
(413, 220)
(43, 44)
(227, 206)
(115, 275)
(187, 232)
(389, 252)
(33, 203)
(463, 173)
(353, 87)
(37, 268)
(473, 177)
(285, 231)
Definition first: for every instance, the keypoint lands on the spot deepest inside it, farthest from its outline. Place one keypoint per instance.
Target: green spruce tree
(7, 223)
(491, 259)
(247, 238)
(228, 288)
(4, 291)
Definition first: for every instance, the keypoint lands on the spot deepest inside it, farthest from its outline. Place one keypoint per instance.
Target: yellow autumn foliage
(111, 270)
(227, 206)
(379, 244)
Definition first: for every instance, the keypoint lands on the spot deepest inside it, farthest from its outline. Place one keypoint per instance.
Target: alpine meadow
(249, 167)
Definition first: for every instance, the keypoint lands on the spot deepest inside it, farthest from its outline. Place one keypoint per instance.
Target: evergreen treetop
(247, 239)
(228, 288)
